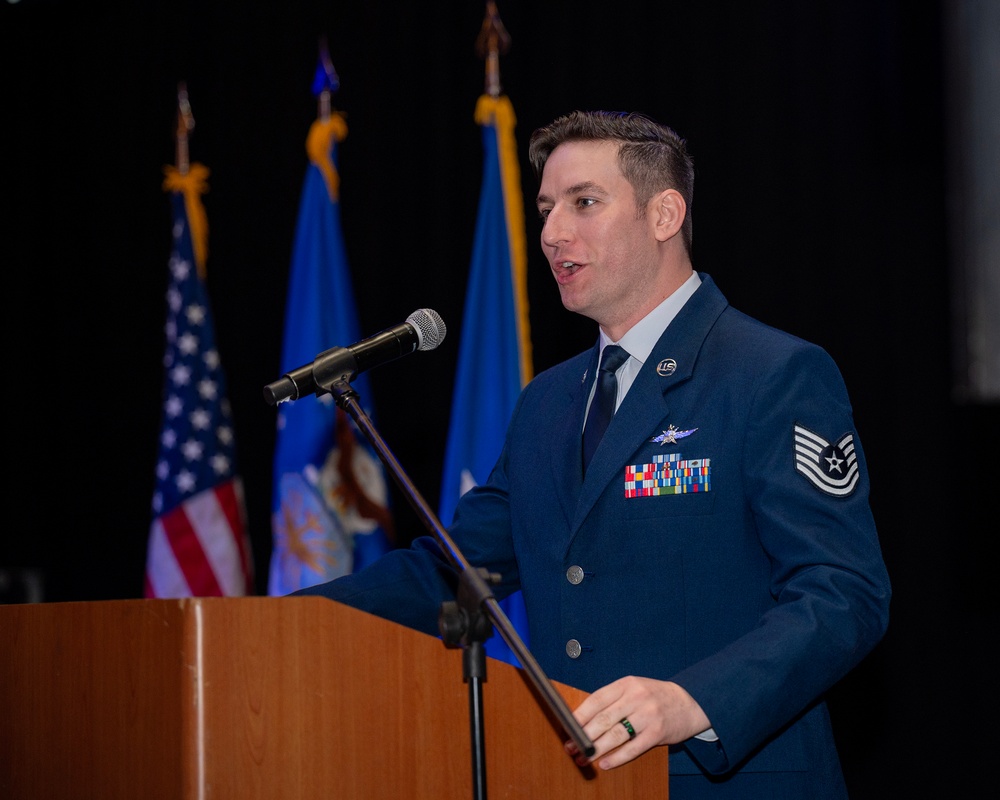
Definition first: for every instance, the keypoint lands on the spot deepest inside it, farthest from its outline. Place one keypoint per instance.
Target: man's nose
(555, 231)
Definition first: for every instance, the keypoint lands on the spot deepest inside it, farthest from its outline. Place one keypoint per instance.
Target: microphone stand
(462, 623)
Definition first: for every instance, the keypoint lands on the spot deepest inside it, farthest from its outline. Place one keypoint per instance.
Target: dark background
(819, 132)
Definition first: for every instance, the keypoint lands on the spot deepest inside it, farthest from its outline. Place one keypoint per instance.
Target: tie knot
(613, 357)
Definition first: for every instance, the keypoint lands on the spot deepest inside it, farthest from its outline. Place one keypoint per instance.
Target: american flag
(198, 543)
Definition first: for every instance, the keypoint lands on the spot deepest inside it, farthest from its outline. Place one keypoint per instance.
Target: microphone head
(429, 326)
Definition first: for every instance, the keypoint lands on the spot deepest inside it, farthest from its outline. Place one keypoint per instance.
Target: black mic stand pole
(462, 622)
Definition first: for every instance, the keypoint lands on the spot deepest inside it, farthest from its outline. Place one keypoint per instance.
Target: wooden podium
(268, 698)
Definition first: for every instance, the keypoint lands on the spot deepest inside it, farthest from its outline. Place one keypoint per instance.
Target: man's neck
(668, 284)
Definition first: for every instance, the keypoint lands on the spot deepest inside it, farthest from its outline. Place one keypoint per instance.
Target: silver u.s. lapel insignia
(666, 367)
(671, 435)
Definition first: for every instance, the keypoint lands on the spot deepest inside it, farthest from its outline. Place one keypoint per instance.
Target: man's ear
(669, 209)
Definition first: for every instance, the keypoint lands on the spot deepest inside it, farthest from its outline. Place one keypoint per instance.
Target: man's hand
(660, 712)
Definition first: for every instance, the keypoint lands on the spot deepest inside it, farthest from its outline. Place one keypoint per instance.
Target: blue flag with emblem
(330, 509)
(494, 356)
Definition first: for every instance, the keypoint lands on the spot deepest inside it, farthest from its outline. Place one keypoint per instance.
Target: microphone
(423, 330)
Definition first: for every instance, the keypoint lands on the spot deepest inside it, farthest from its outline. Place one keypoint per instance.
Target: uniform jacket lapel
(646, 405)
(567, 452)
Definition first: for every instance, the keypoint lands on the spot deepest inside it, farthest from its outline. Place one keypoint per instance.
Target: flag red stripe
(190, 554)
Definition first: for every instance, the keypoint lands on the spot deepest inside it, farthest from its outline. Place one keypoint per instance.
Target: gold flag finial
(493, 40)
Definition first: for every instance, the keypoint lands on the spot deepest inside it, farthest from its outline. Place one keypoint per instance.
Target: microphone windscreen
(429, 326)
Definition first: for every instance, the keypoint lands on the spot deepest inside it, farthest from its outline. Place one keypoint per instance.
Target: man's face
(601, 255)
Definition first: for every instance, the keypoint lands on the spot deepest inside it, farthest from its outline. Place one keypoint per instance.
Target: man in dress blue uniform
(707, 567)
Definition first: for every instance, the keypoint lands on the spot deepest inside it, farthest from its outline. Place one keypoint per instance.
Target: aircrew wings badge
(830, 467)
(671, 435)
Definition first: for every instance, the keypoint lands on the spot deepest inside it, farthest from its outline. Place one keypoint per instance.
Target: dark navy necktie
(602, 407)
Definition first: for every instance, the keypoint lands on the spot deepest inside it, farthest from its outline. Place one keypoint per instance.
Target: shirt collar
(643, 336)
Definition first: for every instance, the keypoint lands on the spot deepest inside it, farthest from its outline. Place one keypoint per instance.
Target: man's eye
(586, 202)
(544, 212)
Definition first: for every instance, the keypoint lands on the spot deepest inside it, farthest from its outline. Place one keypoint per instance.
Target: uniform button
(573, 648)
(575, 575)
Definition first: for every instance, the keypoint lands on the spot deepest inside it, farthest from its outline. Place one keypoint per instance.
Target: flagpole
(185, 124)
(327, 77)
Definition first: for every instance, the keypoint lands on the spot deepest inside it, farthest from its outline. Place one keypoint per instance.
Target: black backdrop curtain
(819, 140)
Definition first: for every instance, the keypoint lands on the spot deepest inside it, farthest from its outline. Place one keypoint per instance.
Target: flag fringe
(192, 184)
(499, 112)
(323, 134)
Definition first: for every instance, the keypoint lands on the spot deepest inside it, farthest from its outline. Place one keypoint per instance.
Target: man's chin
(570, 300)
